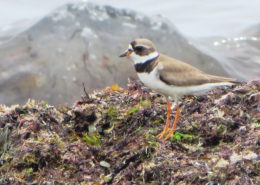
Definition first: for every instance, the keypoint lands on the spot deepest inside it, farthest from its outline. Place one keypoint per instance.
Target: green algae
(133, 110)
(29, 158)
(112, 112)
(93, 140)
(177, 136)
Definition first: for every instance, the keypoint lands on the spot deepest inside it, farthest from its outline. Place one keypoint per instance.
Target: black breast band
(147, 66)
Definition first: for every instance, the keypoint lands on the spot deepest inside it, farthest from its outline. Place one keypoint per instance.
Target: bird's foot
(160, 136)
(166, 127)
(171, 132)
(168, 135)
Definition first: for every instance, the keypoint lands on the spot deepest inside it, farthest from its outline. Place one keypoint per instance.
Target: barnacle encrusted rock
(110, 137)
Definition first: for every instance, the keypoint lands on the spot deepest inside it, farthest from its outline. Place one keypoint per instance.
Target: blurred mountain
(81, 43)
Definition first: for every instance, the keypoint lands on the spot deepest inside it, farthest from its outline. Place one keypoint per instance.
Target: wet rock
(104, 164)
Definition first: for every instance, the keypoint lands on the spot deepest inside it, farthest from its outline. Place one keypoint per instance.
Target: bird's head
(140, 50)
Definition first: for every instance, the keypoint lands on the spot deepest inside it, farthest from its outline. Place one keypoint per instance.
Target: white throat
(141, 59)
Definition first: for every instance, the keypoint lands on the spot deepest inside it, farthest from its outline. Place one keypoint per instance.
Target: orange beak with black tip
(126, 53)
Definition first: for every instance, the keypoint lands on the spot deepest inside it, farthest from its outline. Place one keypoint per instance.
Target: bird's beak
(126, 53)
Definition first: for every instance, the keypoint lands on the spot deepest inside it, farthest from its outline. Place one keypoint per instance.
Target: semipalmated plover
(170, 77)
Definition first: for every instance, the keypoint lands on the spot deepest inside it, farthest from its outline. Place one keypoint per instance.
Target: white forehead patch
(130, 47)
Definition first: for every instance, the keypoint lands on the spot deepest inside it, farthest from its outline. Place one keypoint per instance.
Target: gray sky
(194, 18)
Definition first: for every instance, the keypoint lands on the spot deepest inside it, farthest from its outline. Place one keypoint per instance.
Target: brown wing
(178, 73)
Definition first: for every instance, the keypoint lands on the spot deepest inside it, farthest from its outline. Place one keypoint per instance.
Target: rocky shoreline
(109, 137)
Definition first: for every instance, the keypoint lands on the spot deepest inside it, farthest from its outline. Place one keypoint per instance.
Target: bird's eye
(139, 48)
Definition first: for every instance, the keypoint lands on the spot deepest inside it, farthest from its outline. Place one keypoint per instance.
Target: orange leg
(166, 127)
(178, 113)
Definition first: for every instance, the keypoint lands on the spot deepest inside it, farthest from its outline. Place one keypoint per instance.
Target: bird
(170, 77)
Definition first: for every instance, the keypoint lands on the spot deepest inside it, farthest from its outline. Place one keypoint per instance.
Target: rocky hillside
(109, 137)
(79, 43)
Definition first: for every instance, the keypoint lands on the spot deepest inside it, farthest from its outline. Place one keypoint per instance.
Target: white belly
(152, 81)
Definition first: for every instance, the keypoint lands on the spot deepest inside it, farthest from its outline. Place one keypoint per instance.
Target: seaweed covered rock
(109, 137)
